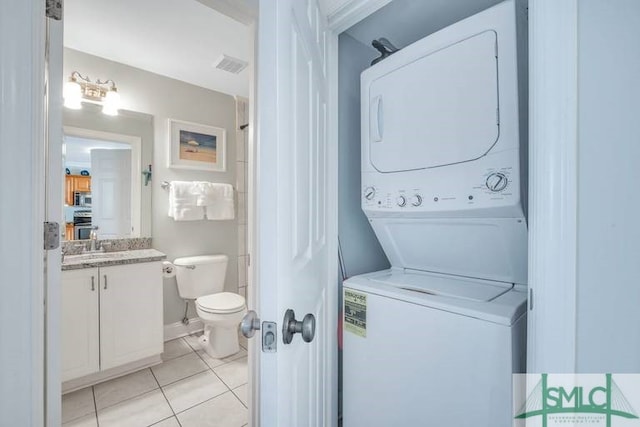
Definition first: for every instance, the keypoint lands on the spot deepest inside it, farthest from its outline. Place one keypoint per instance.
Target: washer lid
(223, 302)
(444, 285)
(495, 302)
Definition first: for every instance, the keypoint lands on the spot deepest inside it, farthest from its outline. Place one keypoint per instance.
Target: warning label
(355, 313)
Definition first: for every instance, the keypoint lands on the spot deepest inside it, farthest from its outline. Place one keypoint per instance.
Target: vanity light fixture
(81, 89)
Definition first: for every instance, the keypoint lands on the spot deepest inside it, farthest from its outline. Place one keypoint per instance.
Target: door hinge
(54, 9)
(51, 235)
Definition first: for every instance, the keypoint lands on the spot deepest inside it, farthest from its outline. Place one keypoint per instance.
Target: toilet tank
(200, 275)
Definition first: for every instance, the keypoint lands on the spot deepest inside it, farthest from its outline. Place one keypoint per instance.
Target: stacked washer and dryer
(434, 340)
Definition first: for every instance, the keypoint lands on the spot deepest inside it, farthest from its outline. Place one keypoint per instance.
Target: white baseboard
(179, 329)
(98, 377)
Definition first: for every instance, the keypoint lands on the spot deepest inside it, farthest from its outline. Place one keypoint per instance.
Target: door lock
(291, 326)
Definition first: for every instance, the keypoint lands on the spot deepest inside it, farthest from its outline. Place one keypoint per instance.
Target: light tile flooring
(189, 389)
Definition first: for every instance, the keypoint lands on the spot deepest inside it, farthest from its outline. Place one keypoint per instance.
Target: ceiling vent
(230, 64)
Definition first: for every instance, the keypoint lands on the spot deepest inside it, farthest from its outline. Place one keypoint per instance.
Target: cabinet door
(82, 183)
(131, 313)
(79, 323)
(68, 231)
(68, 190)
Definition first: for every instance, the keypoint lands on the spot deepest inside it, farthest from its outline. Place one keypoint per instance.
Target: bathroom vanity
(112, 315)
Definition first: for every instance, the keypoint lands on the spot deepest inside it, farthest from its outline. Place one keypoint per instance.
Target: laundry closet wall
(166, 98)
(361, 251)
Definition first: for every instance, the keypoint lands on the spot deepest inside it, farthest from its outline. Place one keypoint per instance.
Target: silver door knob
(291, 326)
(250, 324)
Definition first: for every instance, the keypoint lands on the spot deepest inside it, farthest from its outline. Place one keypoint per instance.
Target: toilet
(201, 278)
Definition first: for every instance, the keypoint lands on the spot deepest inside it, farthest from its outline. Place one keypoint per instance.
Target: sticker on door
(355, 313)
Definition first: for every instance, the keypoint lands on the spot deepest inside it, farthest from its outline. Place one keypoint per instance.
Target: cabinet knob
(105, 281)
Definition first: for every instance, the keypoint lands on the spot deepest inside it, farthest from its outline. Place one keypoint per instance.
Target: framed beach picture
(197, 147)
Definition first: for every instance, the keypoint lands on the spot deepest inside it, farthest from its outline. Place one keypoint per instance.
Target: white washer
(435, 339)
(437, 351)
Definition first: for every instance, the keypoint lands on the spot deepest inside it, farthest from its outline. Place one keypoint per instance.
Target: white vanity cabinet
(79, 323)
(111, 316)
(131, 325)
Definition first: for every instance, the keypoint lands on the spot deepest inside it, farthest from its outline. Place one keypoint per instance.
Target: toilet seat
(221, 303)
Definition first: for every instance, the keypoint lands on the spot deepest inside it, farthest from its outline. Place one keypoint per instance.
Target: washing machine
(434, 340)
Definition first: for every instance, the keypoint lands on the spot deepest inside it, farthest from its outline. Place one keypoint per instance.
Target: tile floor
(189, 389)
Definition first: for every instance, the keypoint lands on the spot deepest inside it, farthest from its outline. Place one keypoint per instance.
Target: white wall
(166, 98)
(361, 250)
(608, 264)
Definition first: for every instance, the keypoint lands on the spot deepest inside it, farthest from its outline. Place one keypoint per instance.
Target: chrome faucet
(93, 236)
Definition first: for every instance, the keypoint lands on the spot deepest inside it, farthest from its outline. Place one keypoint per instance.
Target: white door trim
(54, 212)
(351, 12)
(553, 139)
(253, 285)
(332, 199)
(22, 160)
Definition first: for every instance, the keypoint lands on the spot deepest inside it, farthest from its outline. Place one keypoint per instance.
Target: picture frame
(197, 147)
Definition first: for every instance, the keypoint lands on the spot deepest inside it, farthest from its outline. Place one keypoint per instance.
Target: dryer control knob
(497, 182)
(416, 200)
(402, 201)
(369, 193)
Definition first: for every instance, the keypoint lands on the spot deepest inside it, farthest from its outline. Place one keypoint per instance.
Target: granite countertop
(102, 259)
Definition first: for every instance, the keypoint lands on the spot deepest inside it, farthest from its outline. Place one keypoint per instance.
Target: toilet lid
(223, 302)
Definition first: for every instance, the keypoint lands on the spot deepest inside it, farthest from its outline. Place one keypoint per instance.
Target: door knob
(291, 326)
(250, 324)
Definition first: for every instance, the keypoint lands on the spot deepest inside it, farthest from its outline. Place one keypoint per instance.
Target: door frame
(22, 71)
(553, 186)
(553, 171)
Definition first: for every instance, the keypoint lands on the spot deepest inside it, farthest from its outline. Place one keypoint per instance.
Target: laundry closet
(432, 212)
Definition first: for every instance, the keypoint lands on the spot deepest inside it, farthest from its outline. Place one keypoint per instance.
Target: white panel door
(111, 192)
(79, 323)
(296, 232)
(131, 319)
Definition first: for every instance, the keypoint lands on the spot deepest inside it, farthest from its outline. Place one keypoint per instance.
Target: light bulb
(72, 95)
(111, 103)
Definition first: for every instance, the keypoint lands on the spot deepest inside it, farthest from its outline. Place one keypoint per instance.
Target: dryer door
(438, 110)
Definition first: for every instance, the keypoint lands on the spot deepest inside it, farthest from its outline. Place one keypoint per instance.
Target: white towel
(183, 201)
(217, 199)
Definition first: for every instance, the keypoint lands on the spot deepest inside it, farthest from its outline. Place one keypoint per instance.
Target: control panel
(491, 187)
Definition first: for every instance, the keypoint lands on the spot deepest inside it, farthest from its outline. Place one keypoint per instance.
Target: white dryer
(435, 339)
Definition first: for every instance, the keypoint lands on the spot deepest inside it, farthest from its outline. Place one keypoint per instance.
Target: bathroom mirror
(106, 160)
